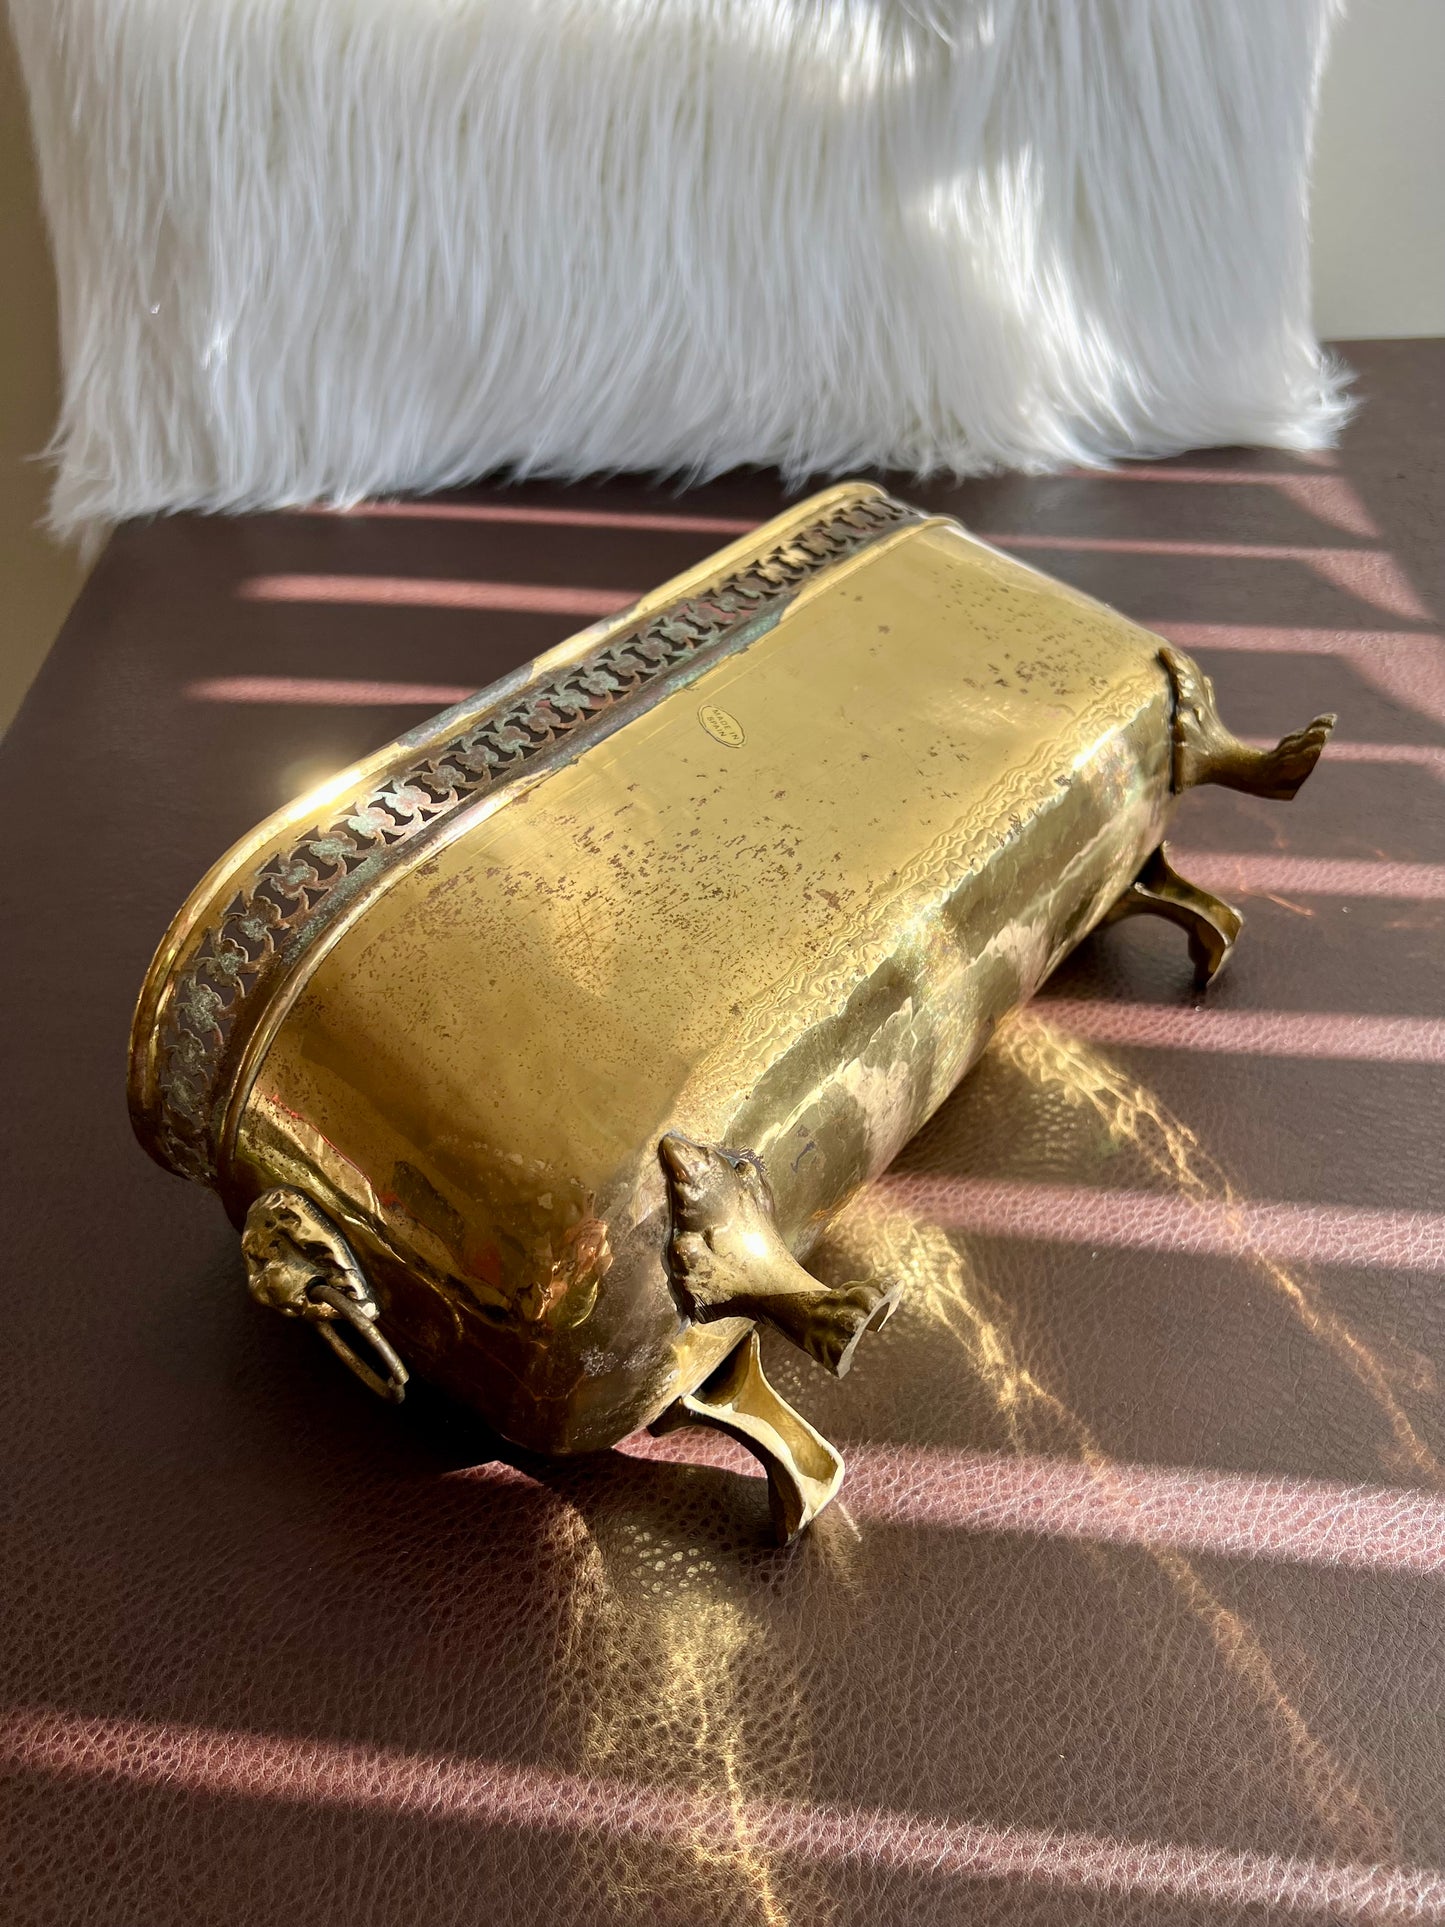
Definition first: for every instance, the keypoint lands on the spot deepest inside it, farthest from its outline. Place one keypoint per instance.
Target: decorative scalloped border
(273, 917)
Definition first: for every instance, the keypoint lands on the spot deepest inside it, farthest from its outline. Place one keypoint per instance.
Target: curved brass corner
(1206, 751)
(258, 924)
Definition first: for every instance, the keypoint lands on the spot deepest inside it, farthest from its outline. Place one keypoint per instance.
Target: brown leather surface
(1133, 1610)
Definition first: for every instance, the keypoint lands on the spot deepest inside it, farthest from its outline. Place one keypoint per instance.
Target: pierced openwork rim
(227, 953)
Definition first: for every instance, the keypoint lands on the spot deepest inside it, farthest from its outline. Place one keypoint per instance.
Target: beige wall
(38, 582)
(1379, 177)
(1379, 260)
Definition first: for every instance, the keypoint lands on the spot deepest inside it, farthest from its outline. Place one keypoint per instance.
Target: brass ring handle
(362, 1320)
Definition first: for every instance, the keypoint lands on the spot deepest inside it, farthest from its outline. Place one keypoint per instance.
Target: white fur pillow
(324, 248)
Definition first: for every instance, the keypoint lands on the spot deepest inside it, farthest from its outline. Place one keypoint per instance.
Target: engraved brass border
(216, 995)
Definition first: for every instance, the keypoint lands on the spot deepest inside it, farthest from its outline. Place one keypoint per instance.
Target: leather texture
(1133, 1608)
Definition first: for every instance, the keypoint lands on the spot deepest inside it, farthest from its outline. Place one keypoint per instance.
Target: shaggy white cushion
(324, 248)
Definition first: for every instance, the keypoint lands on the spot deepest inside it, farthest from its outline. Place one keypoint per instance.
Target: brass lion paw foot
(828, 1324)
(1278, 772)
(1206, 751)
(729, 1259)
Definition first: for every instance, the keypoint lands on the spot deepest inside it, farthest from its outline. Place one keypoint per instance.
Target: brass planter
(534, 1052)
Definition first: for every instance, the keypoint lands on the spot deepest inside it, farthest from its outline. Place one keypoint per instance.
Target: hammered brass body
(781, 909)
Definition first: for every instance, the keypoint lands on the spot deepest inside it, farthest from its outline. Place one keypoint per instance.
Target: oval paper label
(721, 726)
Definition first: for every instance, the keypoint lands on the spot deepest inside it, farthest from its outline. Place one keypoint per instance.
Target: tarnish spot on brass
(722, 726)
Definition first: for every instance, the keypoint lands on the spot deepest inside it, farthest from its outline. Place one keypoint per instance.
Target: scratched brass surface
(783, 910)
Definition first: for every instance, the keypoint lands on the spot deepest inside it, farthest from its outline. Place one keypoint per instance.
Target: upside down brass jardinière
(533, 1053)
